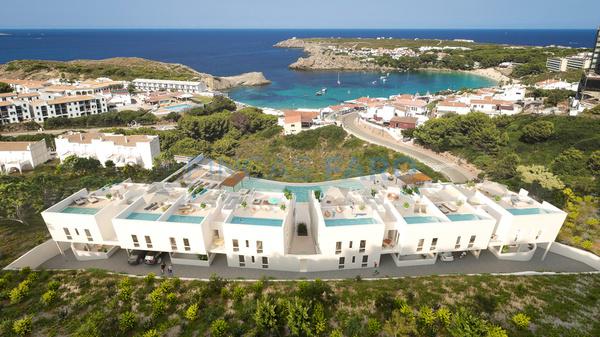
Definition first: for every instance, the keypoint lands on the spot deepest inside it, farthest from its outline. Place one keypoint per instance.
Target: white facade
(168, 85)
(346, 227)
(121, 150)
(22, 156)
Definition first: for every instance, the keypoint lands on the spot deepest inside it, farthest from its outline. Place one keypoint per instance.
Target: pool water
(143, 216)
(238, 220)
(463, 217)
(80, 210)
(349, 221)
(527, 211)
(179, 107)
(301, 192)
(421, 219)
(185, 218)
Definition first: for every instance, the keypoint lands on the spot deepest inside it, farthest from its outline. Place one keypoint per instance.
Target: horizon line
(295, 28)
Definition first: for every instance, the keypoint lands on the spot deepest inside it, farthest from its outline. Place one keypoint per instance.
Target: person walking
(162, 268)
(375, 272)
(170, 270)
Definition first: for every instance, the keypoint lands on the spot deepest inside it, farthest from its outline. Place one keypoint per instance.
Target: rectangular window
(265, 262)
(365, 261)
(457, 245)
(186, 245)
(148, 242)
(350, 245)
(341, 262)
(247, 244)
(471, 241)
(88, 234)
(173, 244)
(242, 260)
(76, 232)
(433, 243)
(354, 259)
(259, 247)
(236, 245)
(363, 245)
(67, 233)
(136, 243)
(253, 259)
(420, 245)
(338, 247)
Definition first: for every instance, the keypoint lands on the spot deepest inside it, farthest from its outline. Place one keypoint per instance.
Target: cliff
(123, 68)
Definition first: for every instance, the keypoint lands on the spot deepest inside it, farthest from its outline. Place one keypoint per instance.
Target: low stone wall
(576, 254)
(516, 256)
(413, 262)
(83, 255)
(38, 255)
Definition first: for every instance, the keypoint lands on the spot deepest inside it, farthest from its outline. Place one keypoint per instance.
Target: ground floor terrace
(486, 263)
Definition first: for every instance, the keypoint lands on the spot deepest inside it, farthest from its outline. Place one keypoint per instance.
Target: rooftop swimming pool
(185, 218)
(349, 222)
(527, 211)
(80, 210)
(238, 220)
(463, 217)
(421, 219)
(143, 216)
(302, 191)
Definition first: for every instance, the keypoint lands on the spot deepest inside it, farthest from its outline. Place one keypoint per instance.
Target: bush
(149, 279)
(537, 131)
(302, 229)
(521, 320)
(49, 297)
(23, 326)
(218, 328)
(151, 333)
(127, 321)
(18, 293)
(53, 285)
(238, 293)
(192, 312)
(373, 327)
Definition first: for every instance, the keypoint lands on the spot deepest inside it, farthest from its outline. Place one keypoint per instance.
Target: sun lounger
(150, 206)
(79, 201)
(92, 200)
(451, 208)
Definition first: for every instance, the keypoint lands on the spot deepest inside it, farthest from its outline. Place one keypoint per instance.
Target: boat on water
(338, 81)
(321, 92)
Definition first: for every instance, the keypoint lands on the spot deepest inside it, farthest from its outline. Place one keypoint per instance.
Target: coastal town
(168, 179)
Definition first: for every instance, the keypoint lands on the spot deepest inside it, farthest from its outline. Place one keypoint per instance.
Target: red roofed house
(403, 123)
(294, 121)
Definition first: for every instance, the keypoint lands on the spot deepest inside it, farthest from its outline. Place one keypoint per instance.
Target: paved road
(452, 170)
(61, 131)
(487, 263)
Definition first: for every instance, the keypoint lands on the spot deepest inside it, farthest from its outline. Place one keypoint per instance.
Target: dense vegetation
(107, 119)
(116, 68)
(556, 158)
(4, 87)
(93, 303)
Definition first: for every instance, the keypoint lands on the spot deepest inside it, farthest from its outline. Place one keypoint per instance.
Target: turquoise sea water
(299, 92)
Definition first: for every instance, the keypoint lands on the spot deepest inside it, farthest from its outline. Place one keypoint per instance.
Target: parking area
(487, 263)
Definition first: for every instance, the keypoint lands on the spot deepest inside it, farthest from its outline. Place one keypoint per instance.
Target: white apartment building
(120, 149)
(556, 64)
(348, 224)
(449, 106)
(192, 87)
(13, 112)
(68, 107)
(21, 156)
(580, 61)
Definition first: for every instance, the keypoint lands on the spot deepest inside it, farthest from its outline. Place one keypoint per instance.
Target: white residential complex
(580, 61)
(120, 149)
(38, 101)
(21, 156)
(257, 223)
(192, 87)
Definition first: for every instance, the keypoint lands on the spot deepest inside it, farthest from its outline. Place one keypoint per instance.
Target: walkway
(487, 263)
(454, 171)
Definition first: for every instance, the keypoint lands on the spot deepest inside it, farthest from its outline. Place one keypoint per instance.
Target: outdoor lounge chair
(92, 199)
(79, 201)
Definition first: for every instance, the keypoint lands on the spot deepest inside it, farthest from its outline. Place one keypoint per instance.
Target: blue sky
(300, 14)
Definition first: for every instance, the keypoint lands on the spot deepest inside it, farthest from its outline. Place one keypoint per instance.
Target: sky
(358, 14)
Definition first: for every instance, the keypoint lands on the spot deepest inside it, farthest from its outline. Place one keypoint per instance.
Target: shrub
(49, 297)
(23, 326)
(53, 285)
(218, 328)
(171, 298)
(238, 293)
(302, 229)
(151, 333)
(537, 131)
(18, 293)
(336, 333)
(373, 327)
(192, 312)
(521, 320)
(149, 279)
(127, 321)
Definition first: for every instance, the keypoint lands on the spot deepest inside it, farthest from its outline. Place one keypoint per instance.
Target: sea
(232, 51)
